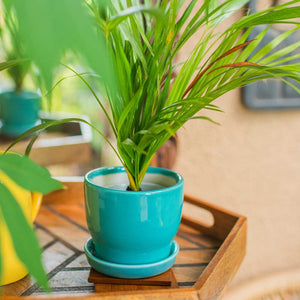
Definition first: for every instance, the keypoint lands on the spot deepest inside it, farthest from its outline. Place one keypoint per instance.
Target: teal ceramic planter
(130, 227)
(18, 112)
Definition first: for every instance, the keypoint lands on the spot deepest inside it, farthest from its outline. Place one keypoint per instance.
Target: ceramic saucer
(129, 271)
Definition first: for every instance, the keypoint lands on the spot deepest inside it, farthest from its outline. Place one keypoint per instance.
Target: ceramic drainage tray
(129, 271)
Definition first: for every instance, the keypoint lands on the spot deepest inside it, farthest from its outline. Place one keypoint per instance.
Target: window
(271, 94)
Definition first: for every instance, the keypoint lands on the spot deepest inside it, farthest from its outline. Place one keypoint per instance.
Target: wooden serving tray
(208, 258)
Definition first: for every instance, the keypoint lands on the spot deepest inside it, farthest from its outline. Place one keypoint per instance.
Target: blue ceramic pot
(18, 111)
(130, 227)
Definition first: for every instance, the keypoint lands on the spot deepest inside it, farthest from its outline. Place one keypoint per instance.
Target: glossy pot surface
(133, 227)
(18, 111)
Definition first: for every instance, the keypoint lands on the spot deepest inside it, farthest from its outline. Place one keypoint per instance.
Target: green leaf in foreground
(49, 28)
(23, 237)
(28, 174)
(9, 64)
(0, 255)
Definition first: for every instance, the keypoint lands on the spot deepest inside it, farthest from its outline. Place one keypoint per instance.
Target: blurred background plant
(13, 49)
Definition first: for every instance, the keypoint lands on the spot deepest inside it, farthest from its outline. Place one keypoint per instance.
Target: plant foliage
(49, 28)
(12, 47)
(151, 104)
(30, 176)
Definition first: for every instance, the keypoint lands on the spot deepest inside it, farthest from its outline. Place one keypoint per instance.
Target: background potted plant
(19, 107)
(148, 107)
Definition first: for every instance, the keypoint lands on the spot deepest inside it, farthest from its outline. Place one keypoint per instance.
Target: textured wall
(249, 164)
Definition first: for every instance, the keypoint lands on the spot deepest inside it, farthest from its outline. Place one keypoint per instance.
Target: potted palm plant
(19, 108)
(133, 211)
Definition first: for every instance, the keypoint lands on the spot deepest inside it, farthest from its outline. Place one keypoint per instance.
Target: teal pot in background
(129, 227)
(18, 111)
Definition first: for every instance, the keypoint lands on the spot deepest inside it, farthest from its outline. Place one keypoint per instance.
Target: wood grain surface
(164, 279)
(104, 283)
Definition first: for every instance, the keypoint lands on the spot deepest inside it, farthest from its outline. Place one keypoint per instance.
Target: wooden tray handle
(224, 220)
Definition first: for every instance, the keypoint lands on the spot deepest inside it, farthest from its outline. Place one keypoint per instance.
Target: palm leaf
(23, 237)
(236, 48)
(9, 64)
(27, 174)
(124, 14)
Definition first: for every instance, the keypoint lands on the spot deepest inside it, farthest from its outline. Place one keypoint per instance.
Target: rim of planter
(25, 93)
(119, 169)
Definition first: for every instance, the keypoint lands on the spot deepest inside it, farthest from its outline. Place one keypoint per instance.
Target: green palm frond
(152, 105)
